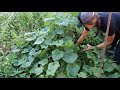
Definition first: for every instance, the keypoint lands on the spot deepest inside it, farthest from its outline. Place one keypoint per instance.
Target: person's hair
(92, 22)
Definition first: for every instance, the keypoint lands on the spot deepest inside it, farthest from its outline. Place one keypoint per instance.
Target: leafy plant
(43, 46)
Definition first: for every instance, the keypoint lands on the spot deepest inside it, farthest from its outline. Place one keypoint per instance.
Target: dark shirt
(114, 24)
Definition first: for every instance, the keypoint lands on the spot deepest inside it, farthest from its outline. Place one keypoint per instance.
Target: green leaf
(25, 50)
(32, 70)
(38, 52)
(115, 75)
(75, 14)
(39, 70)
(72, 70)
(44, 30)
(39, 40)
(103, 76)
(87, 69)
(69, 44)
(96, 71)
(36, 70)
(52, 67)
(59, 31)
(83, 46)
(31, 38)
(32, 51)
(108, 67)
(98, 52)
(43, 54)
(26, 64)
(22, 75)
(70, 57)
(82, 75)
(49, 19)
(50, 35)
(62, 75)
(43, 45)
(29, 33)
(11, 56)
(59, 42)
(115, 66)
(57, 54)
(68, 50)
(30, 58)
(96, 59)
(21, 61)
(63, 23)
(89, 54)
(49, 42)
(43, 62)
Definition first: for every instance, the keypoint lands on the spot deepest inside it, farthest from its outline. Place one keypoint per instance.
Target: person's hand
(89, 47)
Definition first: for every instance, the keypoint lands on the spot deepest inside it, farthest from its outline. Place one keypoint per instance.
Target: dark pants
(116, 44)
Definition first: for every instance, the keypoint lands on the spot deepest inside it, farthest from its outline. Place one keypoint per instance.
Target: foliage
(42, 45)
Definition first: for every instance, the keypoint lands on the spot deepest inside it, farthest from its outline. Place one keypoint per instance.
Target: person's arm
(108, 42)
(111, 34)
(82, 37)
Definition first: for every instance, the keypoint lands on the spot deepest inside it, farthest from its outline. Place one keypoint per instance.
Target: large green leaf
(21, 61)
(72, 70)
(98, 52)
(36, 70)
(87, 69)
(23, 75)
(38, 52)
(44, 30)
(115, 75)
(68, 50)
(50, 35)
(39, 70)
(96, 71)
(70, 57)
(26, 64)
(30, 58)
(63, 23)
(82, 75)
(32, 51)
(59, 42)
(108, 67)
(69, 44)
(39, 40)
(57, 54)
(32, 70)
(62, 75)
(59, 31)
(96, 59)
(49, 42)
(115, 66)
(25, 50)
(43, 54)
(31, 38)
(11, 56)
(89, 54)
(43, 62)
(43, 45)
(52, 67)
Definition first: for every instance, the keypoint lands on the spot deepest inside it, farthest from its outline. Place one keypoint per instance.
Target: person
(100, 20)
